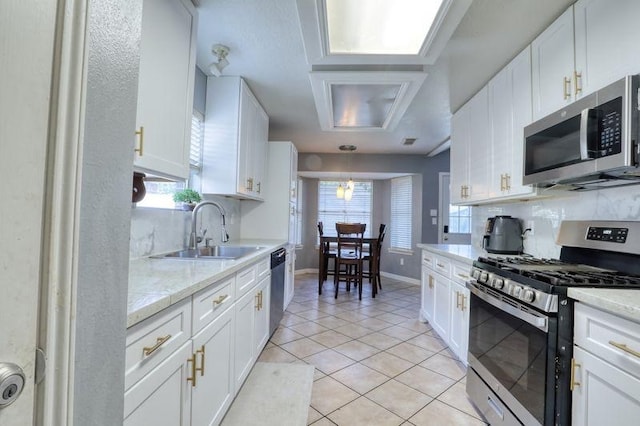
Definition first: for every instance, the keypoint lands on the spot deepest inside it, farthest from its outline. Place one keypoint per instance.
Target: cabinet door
(162, 397)
(260, 151)
(441, 306)
(459, 155)
(459, 331)
(246, 128)
(552, 56)
(479, 150)
(500, 108)
(261, 318)
(245, 309)
(165, 88)
(605, 395)
(427, 294)
(605, 35)
(214, 390)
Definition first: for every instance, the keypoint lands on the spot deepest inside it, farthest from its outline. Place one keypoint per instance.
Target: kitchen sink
(212, 252)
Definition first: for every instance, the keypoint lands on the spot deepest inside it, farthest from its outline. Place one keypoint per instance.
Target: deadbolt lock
(12, 381)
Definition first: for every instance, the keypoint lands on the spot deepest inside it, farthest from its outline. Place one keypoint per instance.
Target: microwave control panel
(610, 128)
(611, 235)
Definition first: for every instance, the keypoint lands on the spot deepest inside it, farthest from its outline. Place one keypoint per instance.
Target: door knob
(12, 381)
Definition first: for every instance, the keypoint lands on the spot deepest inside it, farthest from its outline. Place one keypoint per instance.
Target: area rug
(273, 394)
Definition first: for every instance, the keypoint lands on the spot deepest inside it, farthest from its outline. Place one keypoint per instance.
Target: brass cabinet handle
(457, 299)
(249, 186)
(260, 299)
(625, 348)
(577, 88)
(463, 276)
(430, 281)
(502, 184)
(193, 378)
(463, 307)
(257, 297)
(566, 83)
(259, 184)
(201, 368)
(439, 265)
(220, 300)
(141, 145)
(573, 383)
(507, 178)
(159, 342)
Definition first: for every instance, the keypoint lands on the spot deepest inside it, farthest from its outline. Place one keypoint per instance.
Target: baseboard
(306, 271)
(384, 274)
(400, 278)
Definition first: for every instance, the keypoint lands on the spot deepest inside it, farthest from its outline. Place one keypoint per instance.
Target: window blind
(197, 138)
(401, 206)
(332, 209)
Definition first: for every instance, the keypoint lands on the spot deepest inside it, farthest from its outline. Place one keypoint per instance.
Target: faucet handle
(207, 241)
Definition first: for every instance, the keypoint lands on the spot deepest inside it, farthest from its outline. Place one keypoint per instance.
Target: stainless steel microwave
(590, 144)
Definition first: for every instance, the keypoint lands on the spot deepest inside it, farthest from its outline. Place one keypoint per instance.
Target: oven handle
(536, 321)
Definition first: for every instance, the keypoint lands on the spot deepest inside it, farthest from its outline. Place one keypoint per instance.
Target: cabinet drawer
(442, 265)
(428, 259)
(210, 302)
(246, 279)
(615, 339)
(153, 340)
(264, 267)
(460, 272)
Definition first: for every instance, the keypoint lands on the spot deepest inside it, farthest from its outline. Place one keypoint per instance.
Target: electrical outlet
(531, 227)
(401, 261)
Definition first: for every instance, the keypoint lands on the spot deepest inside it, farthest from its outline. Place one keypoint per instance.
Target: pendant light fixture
(346, 191)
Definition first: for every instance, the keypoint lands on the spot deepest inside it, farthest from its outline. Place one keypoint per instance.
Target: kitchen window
(401, 217)
(332, 209)
(160, 190)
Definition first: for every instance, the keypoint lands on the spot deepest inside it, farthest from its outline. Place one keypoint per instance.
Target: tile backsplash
(155, 231)
(548, 213)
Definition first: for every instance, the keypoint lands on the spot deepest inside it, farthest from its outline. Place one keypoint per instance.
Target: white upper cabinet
(553, 66)
(470, 151)
(277, 210)
(589, 46)
(235, 140)
(165, 88)
(510, 112)
(606, 41)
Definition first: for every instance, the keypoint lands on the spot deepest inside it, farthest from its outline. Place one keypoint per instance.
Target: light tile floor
(376, 363)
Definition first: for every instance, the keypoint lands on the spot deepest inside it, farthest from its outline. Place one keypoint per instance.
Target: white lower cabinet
(214, 390)
(445, 300)
(606, 369)
(252, 328)
(162, 397)
(185, 364)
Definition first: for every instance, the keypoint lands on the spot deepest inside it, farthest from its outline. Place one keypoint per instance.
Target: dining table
(371, 242)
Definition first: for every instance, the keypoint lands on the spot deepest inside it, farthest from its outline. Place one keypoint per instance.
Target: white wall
(548, 213)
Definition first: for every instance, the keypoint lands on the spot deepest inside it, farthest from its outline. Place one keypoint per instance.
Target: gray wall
(425, 186)
(104, 212)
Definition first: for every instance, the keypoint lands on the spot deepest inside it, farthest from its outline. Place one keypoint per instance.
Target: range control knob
(528, 296)
(515, 290)
(484, 277)
(498, 283)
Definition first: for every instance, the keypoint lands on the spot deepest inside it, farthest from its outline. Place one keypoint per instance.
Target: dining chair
(374, 257)
(349, 260)
(328, 253)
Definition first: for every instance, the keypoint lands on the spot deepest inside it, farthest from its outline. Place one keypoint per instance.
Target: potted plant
(187, 198)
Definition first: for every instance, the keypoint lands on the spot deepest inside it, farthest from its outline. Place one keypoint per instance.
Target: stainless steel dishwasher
(278, 259)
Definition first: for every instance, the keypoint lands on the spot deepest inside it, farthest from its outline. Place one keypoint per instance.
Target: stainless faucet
(194, 238)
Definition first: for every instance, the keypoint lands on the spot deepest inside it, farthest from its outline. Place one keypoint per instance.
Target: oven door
(511, 350)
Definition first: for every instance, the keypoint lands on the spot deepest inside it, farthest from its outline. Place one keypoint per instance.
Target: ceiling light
(220, 52)
(382, 27)
(348, 194)
(340, 191)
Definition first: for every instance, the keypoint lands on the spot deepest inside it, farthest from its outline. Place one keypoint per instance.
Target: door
(454, 221)
(27, 31)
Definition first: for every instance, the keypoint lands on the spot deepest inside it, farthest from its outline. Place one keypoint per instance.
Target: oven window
(513, 351)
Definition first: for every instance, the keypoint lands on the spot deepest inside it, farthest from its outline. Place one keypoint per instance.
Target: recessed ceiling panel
(379, 27)
(362, 105)
(356, 101)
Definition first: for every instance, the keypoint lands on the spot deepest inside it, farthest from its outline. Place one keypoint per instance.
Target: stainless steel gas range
(521, 320)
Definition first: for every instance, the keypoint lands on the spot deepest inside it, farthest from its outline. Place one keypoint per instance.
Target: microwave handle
(588, 130)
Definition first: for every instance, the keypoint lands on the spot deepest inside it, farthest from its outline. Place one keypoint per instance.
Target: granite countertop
(155, 284)
(461, 252)
(624, 303)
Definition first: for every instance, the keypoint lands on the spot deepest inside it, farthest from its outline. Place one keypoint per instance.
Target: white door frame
(60, 245)
(442, 209)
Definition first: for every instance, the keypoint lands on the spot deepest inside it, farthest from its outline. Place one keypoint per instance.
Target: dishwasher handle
(278, 257)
